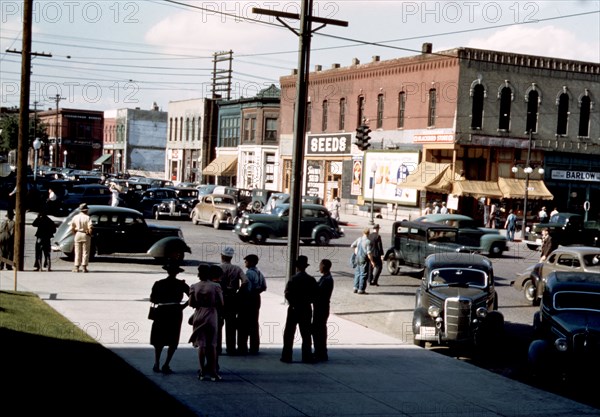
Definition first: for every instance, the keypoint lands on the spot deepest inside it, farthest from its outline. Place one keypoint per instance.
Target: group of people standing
(225, 298)
(367, 259)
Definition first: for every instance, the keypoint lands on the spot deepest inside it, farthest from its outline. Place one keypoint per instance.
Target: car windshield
(223, 200)
(458, 277)
(280, 209)
(577, 300)
(592, 260)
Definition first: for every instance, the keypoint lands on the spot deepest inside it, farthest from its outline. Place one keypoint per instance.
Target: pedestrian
(436, 208)
(321, 311)
(250, 302)
(543, 215)
(336, 205)
(45, 231)
(547, 244)
(51, 202)
(554, 212)
(363, 261)
(300, 292)
(81, 226)
(377, 252)
(232, 280)
(444, 209)
(206, 297)
(115, 194)
(427, 210)
(493, 215)
(7, 238)
(167, 294)
(511, 225)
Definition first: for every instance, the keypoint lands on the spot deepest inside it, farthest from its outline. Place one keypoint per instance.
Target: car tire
(529, 291)
(259, 237)
(216, 223)
(195, 218)
(322, 239)
(495, 250)
(244, 239)
(393, 266)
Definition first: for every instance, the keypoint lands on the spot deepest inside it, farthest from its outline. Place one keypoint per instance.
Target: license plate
(427, 331)
(538, 241)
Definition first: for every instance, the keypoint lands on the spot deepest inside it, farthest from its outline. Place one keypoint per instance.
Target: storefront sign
(443, 138)
(575, 175)
(337, 144)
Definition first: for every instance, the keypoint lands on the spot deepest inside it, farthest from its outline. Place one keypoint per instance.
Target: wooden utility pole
(304, 36)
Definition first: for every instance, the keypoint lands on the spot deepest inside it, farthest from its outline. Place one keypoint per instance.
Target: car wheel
(529, 291)
(257, 206)
(259, 237)
(532, 247)
(195, 218)
(495, 250)
(322, 239)
(244, 239)
(216, 223)
(393, 266)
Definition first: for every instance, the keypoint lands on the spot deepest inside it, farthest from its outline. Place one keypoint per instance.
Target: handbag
(153, 312)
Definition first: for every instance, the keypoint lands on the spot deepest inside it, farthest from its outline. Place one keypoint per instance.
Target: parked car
(188, 195)
(123, 230)
(565, 229)
(91, 194)
(215, 209)
(162, 202)
(485, 240)
(457, 302)
(316, 225)
(567, 326)
(277, 198)
(565, 258)
(413, 242)
(205, 188)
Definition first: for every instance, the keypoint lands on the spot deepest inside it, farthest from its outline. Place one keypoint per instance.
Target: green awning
(104, 159)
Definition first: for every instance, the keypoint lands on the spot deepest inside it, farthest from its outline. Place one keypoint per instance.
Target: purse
(153, 312)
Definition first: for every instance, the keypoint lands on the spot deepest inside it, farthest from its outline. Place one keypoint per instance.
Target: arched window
(532, 111)
(505, 102)
(563, 114)
(584, 116)
(432, 108)
(361, 111)
(324, 118)
(308, 116)
(477, 109)
(401, 108)
(187, 129)
(342, 123)
(180, 129)
(379, 111)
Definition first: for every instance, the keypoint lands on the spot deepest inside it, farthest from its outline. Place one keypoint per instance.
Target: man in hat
(232, 280)
(7, 238)
(300, 292)
(377, 252)
(81, 226)
(250, 301)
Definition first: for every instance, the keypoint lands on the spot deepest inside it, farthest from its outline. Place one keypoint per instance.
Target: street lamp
(373, 171)
(65, 159)
(37, 144)
(51, 150)
(528, 169)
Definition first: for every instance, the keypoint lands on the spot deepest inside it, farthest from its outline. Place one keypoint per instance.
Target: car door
(413, 245)
(133, 234)
(468, 233)
(206, 208)
(308, 221)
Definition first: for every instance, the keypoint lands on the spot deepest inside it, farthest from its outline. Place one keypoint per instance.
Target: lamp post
(51, 150)
(37, 144)
(373, 171)
(65, 159)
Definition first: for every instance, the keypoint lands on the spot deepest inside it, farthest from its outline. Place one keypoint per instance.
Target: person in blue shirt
(321, 311)
(249, 303)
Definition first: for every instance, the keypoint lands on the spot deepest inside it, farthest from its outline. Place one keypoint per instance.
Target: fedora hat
(302, 261)
(83, 207)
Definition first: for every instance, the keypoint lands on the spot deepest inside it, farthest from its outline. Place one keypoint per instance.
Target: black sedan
(163, 202)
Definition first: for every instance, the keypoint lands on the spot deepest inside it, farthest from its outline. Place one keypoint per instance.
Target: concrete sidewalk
(368, 373)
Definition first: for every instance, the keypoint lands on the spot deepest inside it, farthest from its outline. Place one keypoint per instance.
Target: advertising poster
(357, 166)
(387, 170)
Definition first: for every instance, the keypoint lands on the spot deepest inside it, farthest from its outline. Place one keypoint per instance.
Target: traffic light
(362, 137)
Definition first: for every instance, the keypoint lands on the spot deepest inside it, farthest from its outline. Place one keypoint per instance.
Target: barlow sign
(336, 144)
(576, 175)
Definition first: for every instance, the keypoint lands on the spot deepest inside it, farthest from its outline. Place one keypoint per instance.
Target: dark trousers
(300, 316)
(319, 328)
(42, 247)
(6, 250)
(249, 327)
(230, 312)
(376, 271)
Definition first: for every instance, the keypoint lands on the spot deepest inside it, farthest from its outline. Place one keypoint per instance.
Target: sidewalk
(368, 373)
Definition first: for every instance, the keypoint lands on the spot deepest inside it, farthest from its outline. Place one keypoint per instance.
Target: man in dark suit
(377, 252)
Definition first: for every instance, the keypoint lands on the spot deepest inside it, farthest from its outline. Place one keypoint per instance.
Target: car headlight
(528, 229)
(481, 312)
(184, 206)
(561, 344)
(433, 311)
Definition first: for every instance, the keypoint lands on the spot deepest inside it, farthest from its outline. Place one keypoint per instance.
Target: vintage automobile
(215, 209)
(188, 195)
(457, 302)
(96, 194)
(316, 225)
(480, 239)
(162, 202)
(565, 229)
(565, 258)
(567, 326)
(123, 230)
(413, 242)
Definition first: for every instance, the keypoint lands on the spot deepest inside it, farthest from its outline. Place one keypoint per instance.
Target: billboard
(386, 170)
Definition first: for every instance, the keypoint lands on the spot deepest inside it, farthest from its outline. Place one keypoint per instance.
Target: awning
(104, 159)
(426, 174)
(515, 188)
(222, 166)
(476, 189)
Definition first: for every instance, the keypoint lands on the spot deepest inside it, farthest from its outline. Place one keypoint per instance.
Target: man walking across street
(377, 252)
(511, 226)
(232, 280)
(81, 226)
(321, 311)
(363, 260)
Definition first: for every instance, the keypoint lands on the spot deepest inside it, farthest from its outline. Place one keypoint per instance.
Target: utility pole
(57, 139)
(304, 36)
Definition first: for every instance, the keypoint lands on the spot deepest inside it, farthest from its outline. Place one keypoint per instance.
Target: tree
(10, 132)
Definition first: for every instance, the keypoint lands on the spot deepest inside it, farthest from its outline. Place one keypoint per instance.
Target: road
(387, 308)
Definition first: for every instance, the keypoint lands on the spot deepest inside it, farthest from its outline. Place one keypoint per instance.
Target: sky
(110, 54)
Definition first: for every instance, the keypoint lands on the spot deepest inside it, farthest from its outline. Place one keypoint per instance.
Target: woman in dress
(167, 293)
(206, 297)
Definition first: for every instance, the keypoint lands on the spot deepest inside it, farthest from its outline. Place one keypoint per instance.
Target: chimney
(375, 58)
(426, 48)
(295, 71)
(334, 66)
(318, 68)
(355, 61)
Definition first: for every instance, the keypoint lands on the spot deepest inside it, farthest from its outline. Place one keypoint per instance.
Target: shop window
(401, 108)
(505, 102)
(532, 111)
(584, 117)
(432, 108)
(342, 122)
(361, 111)
(379, 111)
(308, 116)
(563, 114)
(477, 108)
(270, 129)
(324, 118)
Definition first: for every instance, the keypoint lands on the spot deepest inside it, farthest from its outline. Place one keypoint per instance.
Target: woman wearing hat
(166, 328)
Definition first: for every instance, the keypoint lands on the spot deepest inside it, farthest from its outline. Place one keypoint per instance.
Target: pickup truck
(565, 229)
